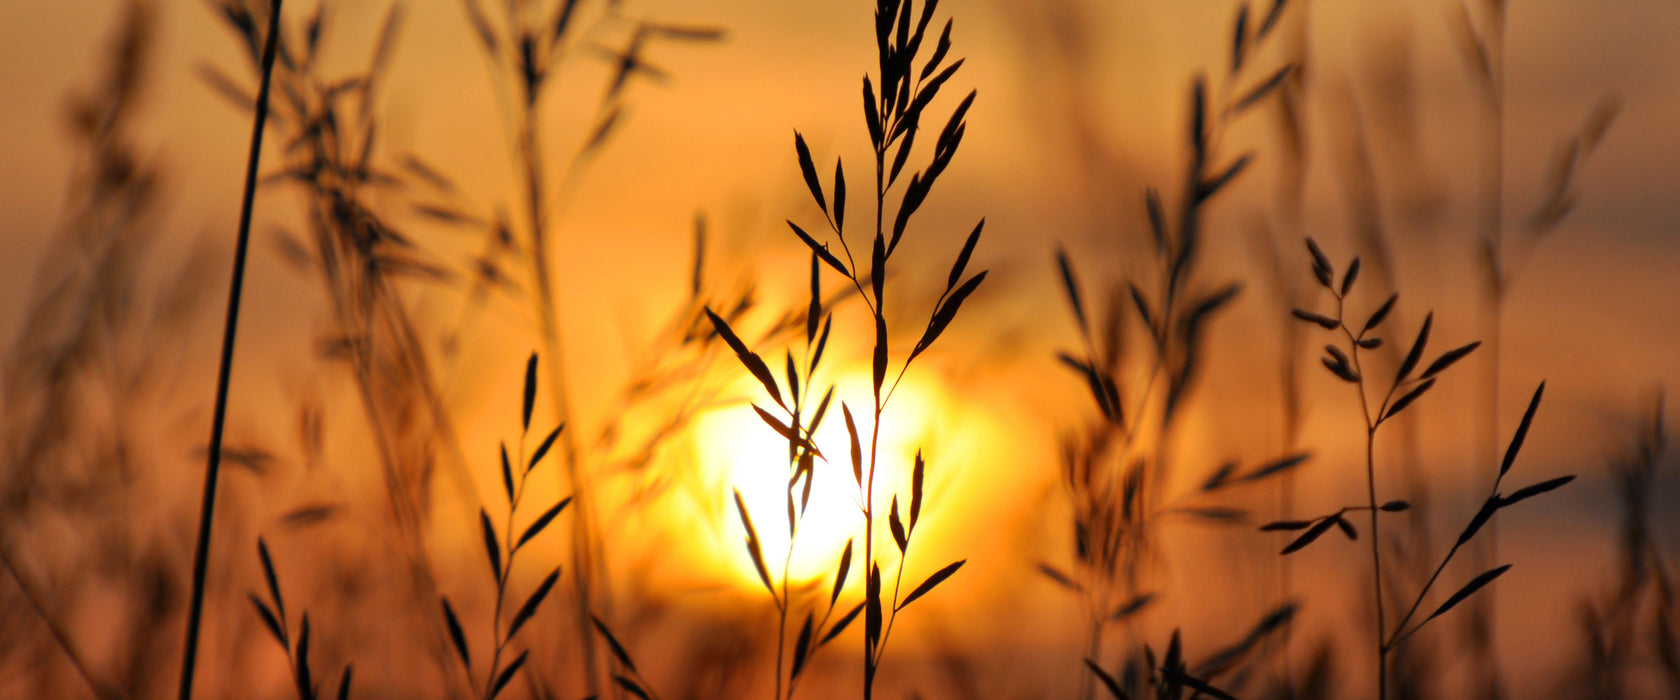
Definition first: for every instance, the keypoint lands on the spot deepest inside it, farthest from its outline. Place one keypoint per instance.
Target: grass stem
(230, 330)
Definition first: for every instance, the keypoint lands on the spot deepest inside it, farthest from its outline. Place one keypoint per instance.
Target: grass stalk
(1371, 501)
(212, 472)
(99, 690)
(1408, 385)
(1491, 181)
(548, 310)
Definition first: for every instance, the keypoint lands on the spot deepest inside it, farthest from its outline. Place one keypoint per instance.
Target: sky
(1081, 105)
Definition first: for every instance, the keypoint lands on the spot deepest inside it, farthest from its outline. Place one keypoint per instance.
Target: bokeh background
(1082, 105)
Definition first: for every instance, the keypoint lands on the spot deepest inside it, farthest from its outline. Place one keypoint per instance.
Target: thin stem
(781, 623)
(1492, 186)
(1400, 631)
(1376, 562)
(507, 568)
(869, 546)
(1401, 626)
(230, 330)
(898, 582)
(1371, 425)
(1093, 651)
(879, 310)
(99, 689)
(549, 310)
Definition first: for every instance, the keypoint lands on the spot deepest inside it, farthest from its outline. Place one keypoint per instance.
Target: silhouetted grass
(892, 115)
(1116, 469)
(503, 548)
(1145, 347)
(1635, 623)
(206, 523)
(272, 612)
(1408, 385)
(82, 380)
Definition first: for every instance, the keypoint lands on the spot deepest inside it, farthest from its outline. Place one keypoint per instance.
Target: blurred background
(1506, 166)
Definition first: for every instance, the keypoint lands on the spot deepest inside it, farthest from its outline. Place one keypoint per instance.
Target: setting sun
(735, 443)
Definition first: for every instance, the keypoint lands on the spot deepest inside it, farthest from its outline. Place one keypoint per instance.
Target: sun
(737, 445)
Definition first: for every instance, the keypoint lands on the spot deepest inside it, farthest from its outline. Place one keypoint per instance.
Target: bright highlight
(736, 443)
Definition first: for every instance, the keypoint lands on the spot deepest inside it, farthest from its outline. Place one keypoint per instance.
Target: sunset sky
(1082, 104)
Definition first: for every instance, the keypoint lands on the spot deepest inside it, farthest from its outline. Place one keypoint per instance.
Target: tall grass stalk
(799, 429)
(360, 260)
(525, 50)
(893, 117)
(230, 331)
(1483, 45)
(1116, 468)
(1344, 362)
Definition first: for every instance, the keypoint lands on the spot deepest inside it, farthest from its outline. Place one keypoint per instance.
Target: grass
(1117, 469)
(1149, 355)
(1480, 35)
(212, 471)
(1405, 389)
(892, 115)
(502, 549)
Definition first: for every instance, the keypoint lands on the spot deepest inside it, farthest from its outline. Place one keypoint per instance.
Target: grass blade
(857, 446)
(631, 686)
(1310, 535)
(820, 249)
(542, 521)
(917, 475)
(1469, 589)
(840, 576)
(1380, 314)
(1416, 353)
(842, 624)
(273, 580)
(530, 396)
(1070, 285)
(457, 636)
(808, 169)
(612, 643)
(1531, 491)
(802, 648)
(493, 550)
(506, 676)
(530, 607)
(542, 450)
(507, 475)
(937, 578)
(749, 359)
(270, 621)
(1448, 358)
(1108, 681)
(1406, 400)
(1522, 430)
(962, 257)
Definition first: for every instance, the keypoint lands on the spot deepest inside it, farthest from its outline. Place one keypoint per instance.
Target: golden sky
(1081, 105)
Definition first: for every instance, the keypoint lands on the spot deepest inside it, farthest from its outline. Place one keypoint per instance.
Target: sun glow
(752, 458)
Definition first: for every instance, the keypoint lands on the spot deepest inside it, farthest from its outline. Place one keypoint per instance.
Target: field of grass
(652, 349)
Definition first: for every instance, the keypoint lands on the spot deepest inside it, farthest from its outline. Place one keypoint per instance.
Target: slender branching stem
(898, 582)
(879, 309)
(230, 330)
(507, 570)
(1372, 422)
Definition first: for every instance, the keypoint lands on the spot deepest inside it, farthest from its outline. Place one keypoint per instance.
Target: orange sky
(1596, 311)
